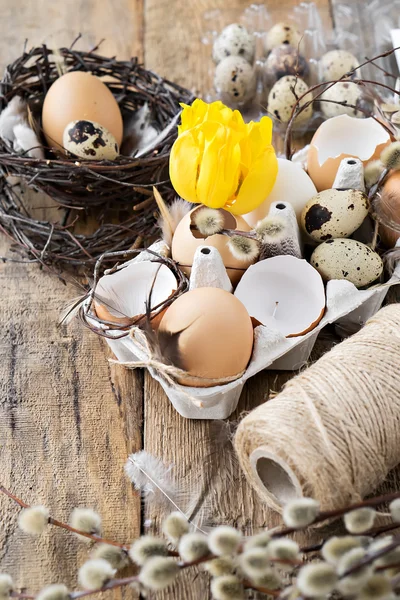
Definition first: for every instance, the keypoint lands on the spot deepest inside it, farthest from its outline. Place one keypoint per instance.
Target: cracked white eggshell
(343, 137)
(122, 295)
(292, 283)
(292, 185)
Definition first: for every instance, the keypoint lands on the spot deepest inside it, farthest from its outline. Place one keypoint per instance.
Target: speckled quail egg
(334, 214)
(285, 60)
(235, 80)
(234, 40)
(282, 33)
(347, 259)
(345, 92)
(336, 63)
(90, 140)
(283, 97)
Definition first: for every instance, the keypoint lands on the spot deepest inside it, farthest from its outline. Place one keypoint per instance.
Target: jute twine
(333, 433)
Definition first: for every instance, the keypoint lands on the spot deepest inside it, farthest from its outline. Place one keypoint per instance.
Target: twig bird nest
(87, 183)
(100, 191)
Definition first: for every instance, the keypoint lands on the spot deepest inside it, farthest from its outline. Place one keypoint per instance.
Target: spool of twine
(333, 433)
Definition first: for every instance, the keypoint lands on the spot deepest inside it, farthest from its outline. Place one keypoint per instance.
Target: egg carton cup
(346, 306)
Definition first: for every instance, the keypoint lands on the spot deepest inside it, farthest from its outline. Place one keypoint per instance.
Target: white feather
(151, 477)
(194, 496)
(159, 138)
(14, 114)
(27, 141)
(71, 309)
(176, 211)
(156, 483)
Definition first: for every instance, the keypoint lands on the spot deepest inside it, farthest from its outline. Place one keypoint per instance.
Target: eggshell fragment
(283, 97)
(79, 95)
(347, 259)
(208, 333)
(235, 80)
(90, 140)
(282, 33)
(185, 243)
(292, 185)
(283, 293)
(122, 295)
(234, 40)
(334, 214)
(343, 137)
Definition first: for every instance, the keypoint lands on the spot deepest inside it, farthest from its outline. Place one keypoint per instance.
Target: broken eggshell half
(283, 293)
(120, 297)
(187, 239)
(342, 137)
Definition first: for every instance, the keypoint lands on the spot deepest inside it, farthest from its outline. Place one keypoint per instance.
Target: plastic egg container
(252, 58)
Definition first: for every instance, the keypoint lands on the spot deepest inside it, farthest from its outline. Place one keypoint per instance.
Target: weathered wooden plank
(68, 419)
(172, 47)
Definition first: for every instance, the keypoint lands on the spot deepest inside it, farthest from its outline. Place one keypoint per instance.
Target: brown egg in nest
(77, 96)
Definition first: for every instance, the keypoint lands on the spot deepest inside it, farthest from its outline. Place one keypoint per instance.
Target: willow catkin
(333, 433)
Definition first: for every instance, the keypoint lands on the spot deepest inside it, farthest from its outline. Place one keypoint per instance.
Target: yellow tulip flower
(221, 161)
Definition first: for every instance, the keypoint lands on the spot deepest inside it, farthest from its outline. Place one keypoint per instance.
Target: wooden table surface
(69, 419)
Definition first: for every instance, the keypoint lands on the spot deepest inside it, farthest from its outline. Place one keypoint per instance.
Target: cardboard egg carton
(346, 306)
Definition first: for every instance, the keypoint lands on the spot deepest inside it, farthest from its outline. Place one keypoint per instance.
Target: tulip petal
(257, 185)
(219, 167)
(183, 166)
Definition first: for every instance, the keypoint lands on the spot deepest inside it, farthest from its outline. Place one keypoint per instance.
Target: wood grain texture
(68, 419)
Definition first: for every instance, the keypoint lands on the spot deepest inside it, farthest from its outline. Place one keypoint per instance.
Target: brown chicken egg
(389, 209)
(208, 333)
(185, 243)
(77, 96)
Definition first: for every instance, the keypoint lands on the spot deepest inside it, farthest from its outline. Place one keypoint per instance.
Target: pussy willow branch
(119, 583)
(323, 516)
(374, 532)
(326, 86)
(57, 523)
(333, 514)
